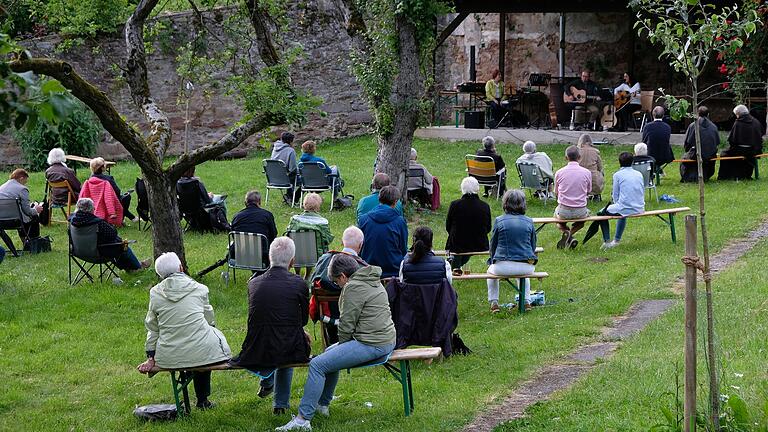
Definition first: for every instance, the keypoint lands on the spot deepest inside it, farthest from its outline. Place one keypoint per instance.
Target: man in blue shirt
(370, 202)
(386, 234)
(628, 198)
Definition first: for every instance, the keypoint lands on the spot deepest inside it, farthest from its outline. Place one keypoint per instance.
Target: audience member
(656, 136)
(283, 150)
(2, 254)
(278, 307)
(418, 190)
(58, 172)
(710, 140)
(98, 165)
(745, 139)
(420, 266)
(16, 188)
(255, 220)
(641, 155)
(513, 247)
(190, 187)
(311, 220)
(573, 183)
(386, 233)
(181, 330)
(591, 160)
(366, 333)
(308, 150)
(121, 255)
(468, 224)
(368, 203)
(628, 198)
(541, 160)
(489, 149)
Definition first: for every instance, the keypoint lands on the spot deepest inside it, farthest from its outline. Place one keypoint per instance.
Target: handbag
(343, 202)
(39, 245)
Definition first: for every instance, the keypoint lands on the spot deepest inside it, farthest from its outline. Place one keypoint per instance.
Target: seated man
(368, 203)
(541, 160)
(194, 196)
(282, 150)
(583, 92)
(641, 155)
(489, 149)
(123, 257)
(16, 188)
(308, 155)
(58, 172)
(311, 220)
(419, 190)
(386, 234)
(745, 139)
(628, 198)
(181, 329)
(572, 185)
(278, 305)
(656, 136)
(256, 220)
(710, 140)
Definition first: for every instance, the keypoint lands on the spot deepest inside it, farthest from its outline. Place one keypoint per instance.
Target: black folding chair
(142, 206)
(84, 250)
(278, 178)
(11, 218)
(192, 208)
(313, 178)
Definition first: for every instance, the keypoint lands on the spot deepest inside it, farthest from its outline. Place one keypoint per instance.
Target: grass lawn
(69, 353)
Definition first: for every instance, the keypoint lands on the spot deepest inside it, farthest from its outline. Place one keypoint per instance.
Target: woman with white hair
(468, 224)
(591, 160)
(418, 190)
(530, 155)
(58, 172)
(181, 330)
(745, 139)
(489, 150)
(641, 155)
(311, 220)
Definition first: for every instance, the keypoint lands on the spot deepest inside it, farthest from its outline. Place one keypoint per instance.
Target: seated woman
(419, 190)
(181, 330)
(308, 149)
(98, 165)
(123, 257)
(193, 196)
(641, 155)
(468, 224)
(16, 188)
(591, 160)
(541, 160)
(513, 246)
(57, 172)
(366, 333)
(489, 149)
(421, 266)
(311, 220)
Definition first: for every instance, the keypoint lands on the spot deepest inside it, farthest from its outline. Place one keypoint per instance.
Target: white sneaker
(295, 425)
(323, 410)
(609, 245)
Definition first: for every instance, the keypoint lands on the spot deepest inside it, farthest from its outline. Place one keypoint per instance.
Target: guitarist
(626, 100)
(584, 92)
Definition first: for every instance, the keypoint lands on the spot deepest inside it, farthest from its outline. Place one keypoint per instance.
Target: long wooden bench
(671, 212)
(520, 292)
(446, 253)
(180, 378)
(722, 158)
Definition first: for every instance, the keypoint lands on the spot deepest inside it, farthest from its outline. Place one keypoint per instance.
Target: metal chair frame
(106, 265)
(313, 170)
(13, 223)
(644, 168)
(282, 183)
(242, 242)
(528, 171)
(483, 168)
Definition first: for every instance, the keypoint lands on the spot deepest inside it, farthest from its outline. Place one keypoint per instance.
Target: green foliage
(78, 134)
(746, 67)
(82, 18)
(17, 19)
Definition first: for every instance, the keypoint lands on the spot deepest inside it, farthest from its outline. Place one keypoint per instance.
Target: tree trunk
(167, 235)
(407, 89)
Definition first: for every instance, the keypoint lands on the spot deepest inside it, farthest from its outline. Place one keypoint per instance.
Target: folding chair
(531, 179)
(248, 250)
(192, 209)
(313, 178)
(483, 169)
(278, 178)
(644, 168)
(11, 218)
(71, 199)
(306, 249)
(142, 205)
(422, 196)
(84, 250)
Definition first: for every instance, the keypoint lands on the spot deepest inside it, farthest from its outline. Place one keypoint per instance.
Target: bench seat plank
(549, 220)
(471, 276)
(443, 252)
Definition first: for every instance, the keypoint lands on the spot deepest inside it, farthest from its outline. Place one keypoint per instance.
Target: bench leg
(672, 227)
(180, 392)
(403, 375)
(757, 169)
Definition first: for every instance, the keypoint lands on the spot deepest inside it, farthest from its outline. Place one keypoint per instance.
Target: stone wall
(318, 25)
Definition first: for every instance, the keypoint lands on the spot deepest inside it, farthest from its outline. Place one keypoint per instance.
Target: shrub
(82, 18)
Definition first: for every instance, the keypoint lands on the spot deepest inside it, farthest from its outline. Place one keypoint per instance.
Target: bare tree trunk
(407, 89)
(167, 235)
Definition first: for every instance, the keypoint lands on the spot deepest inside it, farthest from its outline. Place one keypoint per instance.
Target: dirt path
(561, 375)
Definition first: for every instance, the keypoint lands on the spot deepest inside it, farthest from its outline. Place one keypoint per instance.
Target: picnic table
(87, 161)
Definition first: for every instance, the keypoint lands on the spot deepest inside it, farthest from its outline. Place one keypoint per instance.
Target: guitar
(578, 96)
(552, 115)
(622, 98)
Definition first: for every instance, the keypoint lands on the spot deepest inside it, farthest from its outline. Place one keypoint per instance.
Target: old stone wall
(318, 25)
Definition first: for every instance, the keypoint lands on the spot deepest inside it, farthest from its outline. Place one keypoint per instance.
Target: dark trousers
(601, 225)
(202, 384)
(497, 112)
(125, 201)
(624, 116)
(32, 227)
(458, 261)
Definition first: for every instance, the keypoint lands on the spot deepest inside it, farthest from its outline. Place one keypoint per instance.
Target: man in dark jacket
(656, 136)
(745, 139)
(468, 223)
(386, 234)
(710, 139)
(278, 310)
(256, 220)
(489, 149)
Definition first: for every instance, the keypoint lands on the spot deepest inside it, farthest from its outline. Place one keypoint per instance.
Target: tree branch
(259, 19)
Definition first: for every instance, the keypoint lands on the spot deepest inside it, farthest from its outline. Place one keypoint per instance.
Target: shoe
(323, 410)
(146, 263)
(295, 425)
(205, 404)
(136, 219)
(265, 391)
(279, 411)
(564, 240)
(495, 307)
(609, 245)
(528, 307)
(457, 272)
(572, 244)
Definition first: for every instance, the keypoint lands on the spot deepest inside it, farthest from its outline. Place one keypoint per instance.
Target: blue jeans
(281, 380)
(127, 261)
(324, 371)
(605, 228)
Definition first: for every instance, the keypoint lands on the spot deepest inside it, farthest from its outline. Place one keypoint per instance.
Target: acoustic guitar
(578, 96)
(622, 98)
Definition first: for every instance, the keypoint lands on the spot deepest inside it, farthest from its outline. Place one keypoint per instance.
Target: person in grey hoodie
(180, 327)
(282, 150)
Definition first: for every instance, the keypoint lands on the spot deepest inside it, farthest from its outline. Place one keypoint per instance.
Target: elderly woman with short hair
(489, 150)
(591, 160)
(181, 330)
(641, 155)
(513, 246)
(58, 172)
(468, 224)
(745, 139)
(541, 160)
(311, 220)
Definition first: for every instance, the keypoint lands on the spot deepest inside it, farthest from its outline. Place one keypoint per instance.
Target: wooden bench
(446, 253)
(87, 161)
(520, 292)
(671, 212)
(180, 378)
(722, 158)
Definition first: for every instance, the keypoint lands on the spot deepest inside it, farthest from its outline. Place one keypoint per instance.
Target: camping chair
(84, 250)
(71, 199)
(11, 218)
(278, 178)
(192, 209)
(483, 169)
(142, 205)
(531, 179)
(313, 178)
(646, 105)
(421, 194)
(306, 250)
(644, 168)
(246, 251)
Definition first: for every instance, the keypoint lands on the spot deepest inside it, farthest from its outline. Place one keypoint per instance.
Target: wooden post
(689, 406)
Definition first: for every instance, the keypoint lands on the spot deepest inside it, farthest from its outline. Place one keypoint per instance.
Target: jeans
(127, 261)
(605, 228)
(324, 371)
(508, 268)
(281, 380)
